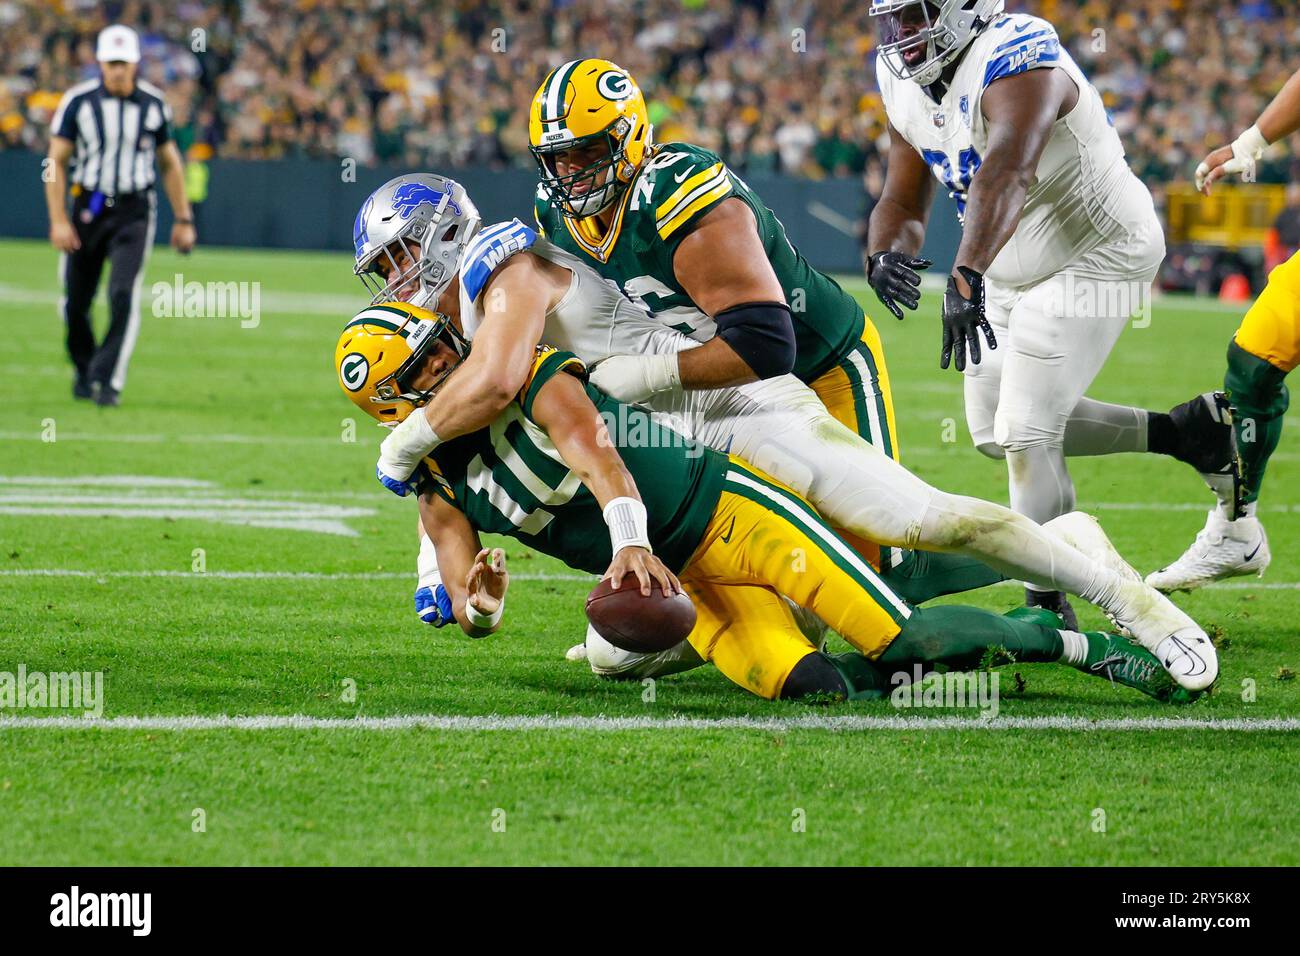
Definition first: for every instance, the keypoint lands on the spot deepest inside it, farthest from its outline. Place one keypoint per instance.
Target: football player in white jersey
(506, 288)
(1059, 248)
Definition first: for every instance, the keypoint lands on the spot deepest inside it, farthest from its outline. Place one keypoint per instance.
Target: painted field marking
(846, 723)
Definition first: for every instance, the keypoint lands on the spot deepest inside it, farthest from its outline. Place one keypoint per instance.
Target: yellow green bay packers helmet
(581, 103)
(381, 351)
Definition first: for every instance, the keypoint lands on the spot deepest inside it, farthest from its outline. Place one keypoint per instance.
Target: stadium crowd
(773, 85)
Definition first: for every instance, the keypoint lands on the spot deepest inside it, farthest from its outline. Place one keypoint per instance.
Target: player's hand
(63, 236)
(1237, 158)
(896, 278)
(646, 567)
(634, 378)
(398, 486)
(487, 581)
(183, 237)
(433, 605)
(963, 319)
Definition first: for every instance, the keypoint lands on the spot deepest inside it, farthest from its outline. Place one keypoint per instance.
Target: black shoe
(107, 397)
(1203, 434)
(1054, 601)
(81, 388)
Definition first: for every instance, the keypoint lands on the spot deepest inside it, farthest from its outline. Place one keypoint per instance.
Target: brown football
(635, 623)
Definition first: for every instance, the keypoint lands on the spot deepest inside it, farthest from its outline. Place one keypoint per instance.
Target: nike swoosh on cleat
(1187, 651)
(1256, 551)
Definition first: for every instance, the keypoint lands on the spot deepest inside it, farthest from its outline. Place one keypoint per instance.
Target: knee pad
(1256, 388)
(814, 676)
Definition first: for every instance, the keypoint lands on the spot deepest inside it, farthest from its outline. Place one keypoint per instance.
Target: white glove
(1246, 151)
(403, 449)
(634, 378)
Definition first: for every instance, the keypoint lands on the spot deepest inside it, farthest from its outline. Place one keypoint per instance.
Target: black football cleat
(108, 397)
(1056, 602)
(81, 389)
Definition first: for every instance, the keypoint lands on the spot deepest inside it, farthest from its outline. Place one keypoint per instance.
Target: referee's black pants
(121, 234)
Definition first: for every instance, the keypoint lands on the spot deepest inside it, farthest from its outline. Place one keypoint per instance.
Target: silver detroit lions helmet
(409, 236)
(918, 38)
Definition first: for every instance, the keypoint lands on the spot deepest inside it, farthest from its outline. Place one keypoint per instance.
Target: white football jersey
(594, 320)
(1083, 193)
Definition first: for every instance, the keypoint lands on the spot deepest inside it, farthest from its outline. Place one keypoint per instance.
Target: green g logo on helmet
(614, 86)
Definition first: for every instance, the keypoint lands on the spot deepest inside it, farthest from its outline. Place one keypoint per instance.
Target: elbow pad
(762, 334)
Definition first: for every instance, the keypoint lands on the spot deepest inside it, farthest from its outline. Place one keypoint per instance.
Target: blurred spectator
(773, 85)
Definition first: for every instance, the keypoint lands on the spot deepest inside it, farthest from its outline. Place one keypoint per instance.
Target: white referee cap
(118, 43)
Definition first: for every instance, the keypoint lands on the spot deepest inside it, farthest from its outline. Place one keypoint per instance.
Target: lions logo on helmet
(581, 104)
(382, 352)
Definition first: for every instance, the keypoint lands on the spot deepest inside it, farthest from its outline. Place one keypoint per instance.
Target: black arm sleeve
(762, 334)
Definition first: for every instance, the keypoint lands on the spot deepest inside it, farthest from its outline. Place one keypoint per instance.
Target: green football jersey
(509, 479)
(672, 191)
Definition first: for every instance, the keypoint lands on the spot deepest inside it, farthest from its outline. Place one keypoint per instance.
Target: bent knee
(1022, 429)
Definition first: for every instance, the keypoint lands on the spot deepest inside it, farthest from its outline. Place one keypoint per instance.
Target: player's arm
(897, 228)
(517, 297)
(563, 410)
(63, 236)
(1279, 120)
(476, 579)
(1021, 110)
(724, 268)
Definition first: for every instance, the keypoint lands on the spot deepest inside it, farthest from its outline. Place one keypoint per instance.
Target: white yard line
(557, 722)
(259, 575)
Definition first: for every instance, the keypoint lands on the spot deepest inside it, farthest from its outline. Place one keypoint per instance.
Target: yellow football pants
(857, 394)
(1271, 329)
(765, 541)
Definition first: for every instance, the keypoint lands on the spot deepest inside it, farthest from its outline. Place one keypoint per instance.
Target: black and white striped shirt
(115, 137)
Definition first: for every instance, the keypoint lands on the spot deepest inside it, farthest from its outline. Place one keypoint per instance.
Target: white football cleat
(578, 652)
(1223, 549)
(1150, 618)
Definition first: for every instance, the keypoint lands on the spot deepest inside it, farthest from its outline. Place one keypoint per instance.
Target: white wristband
(627, 522)
(663, 373)
(407, 444)
(1250, 144)
(479, 619)
(426, 565)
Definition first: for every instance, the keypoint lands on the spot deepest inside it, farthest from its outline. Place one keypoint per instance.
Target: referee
(110, 129)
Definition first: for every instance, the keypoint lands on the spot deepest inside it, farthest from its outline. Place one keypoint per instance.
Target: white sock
(1075, 648)
(1099, 428)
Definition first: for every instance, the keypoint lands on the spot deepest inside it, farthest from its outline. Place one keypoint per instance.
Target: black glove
(894, 277)
(962, 320)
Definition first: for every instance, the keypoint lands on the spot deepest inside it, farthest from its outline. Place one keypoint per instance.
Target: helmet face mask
(409, 237)
(920, 38)
(383, 354)
(590, 188)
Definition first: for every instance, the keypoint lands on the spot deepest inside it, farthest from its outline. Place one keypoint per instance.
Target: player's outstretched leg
(964, 638)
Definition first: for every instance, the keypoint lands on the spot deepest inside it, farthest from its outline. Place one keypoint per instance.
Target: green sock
(1259, 396)
(964, 638)
(923, 575)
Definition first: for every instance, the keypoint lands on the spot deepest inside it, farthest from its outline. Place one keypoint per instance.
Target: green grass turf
(256, 413)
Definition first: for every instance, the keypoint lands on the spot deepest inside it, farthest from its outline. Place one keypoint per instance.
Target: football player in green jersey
(601, 486)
